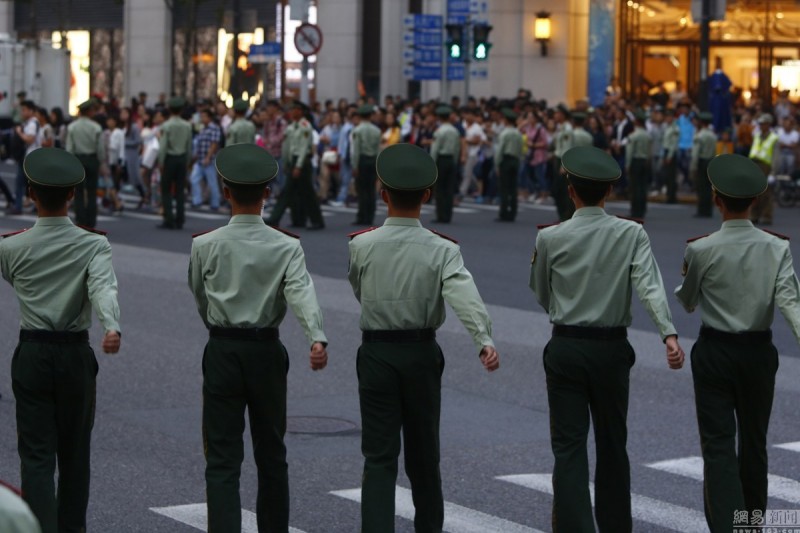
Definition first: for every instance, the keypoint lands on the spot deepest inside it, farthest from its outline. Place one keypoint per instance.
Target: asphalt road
(147, 457)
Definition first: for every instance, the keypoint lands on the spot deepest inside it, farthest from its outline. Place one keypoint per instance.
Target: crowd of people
(662, 144)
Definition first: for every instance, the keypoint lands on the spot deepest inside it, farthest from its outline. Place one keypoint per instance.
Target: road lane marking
(194, 515)
(791, 446)
(457, 519)
(780, 488)
(643, 508)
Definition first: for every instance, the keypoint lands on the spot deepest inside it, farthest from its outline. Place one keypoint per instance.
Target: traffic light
(455, 41)
(480, 42)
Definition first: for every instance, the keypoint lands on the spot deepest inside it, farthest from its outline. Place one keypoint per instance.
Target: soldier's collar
(738, 223)
(53, 221)
(402, 221)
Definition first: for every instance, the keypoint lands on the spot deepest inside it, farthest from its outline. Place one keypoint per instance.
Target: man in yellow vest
(761, 151)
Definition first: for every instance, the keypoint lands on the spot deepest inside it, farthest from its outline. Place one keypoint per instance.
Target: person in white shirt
(28, 131)
(788, 140)
(115, 153)
(475, 137)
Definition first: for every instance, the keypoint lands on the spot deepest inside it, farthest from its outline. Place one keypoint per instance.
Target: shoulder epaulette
(637, 220)
(196, 235)
(778, 235)
(93, 230)
(544, 226)
(360, 232)
(688, 241)
(289, 233)
(13, 233)
(442, 235)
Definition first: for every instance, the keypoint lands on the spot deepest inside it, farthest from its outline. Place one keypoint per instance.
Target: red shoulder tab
(697, 238)
(442, 235)
(93, 230)
(778, 235)
(289, 233)
(360, 232)
(543, 226)
(637, 220)
(196, 235)
(4, 236)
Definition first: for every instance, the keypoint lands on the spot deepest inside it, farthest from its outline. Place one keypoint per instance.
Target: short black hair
(590, 192)
(734, 205)
(405, 199)
(50, 198)
(29, 104)
(246, 194)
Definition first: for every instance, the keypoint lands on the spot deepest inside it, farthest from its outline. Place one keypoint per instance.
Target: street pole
(305, 67)
(467, 57)
(705, 37)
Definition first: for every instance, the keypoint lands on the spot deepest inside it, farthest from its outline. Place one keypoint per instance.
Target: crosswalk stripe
(457, 519)
(194, 515)
(791, 446)
(780, 488)
(643, 508)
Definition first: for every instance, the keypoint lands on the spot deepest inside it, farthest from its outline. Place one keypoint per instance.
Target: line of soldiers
(245, 274)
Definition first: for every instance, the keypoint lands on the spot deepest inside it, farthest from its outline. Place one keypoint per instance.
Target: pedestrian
(114, 138)
(762, 151)
(331, 160)
(583, 273)
(734, 361)
(299, 192)
(788, 142)
(273, 135)
(85, 140)
(345, 157)
(366, 145)
(669, 159)
(474, 137)
(204, 170)
(174, 157)
(638, 153)
(132, 154)
(242, 276)
(242, 130)
(508, 157)
(445, 153)
(25, 137)
(402, 274)
(686, 139)
(562, 141)
(59, 273)
(704, 148)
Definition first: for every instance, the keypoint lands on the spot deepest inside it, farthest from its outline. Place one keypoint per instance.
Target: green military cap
(705, 116)
(406, 167)
(766, 118)
(366, 110)
(736, 176)
(579, 115)
(176, 102)
(444, 111)
(563, 109)
(240, 105)
(87, 105)
(53, 167)
(299, 105)
(246, 164)
(590, 163)
(509, 114)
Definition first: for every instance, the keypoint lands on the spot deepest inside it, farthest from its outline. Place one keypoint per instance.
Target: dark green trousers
(399, 387)
(734, 384)
(509, 171)
(298, 195)
(239, 374)
(173, 186)
(703, 186)
(445, 190)
(54, 387)
(365, 189)
(670, 171)
(86, 192)
(638, 179)
(564, 205)
(589, 377)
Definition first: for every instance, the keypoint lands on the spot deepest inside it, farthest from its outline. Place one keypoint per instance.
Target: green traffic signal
(455, 50)
(480, 51)
(480, 42)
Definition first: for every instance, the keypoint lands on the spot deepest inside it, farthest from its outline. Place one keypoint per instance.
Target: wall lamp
(542, 30)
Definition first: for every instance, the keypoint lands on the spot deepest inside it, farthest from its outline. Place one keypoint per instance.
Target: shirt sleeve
(354, 272)
(459, 290)
(70, 142)
(787, 293)
(305, 148)
(356, 148)
(540, 273)
(688, 292)
(197, 284)
(162, 144)
(102, 286)
(649, 286)
(301, 297)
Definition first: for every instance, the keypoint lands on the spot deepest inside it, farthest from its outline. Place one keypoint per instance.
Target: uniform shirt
(670, 142)
(176, 139)
(403, 273)
(85, 137)
(737, 275)
(704, 147)
(446, 141)
(366, 140)
(563, 139)
(584, 271)
(244, 274)
(60, 272)
(15, 515)
(241, 131)
(639, 146)
(509, 145)
(297, 143)
(581, 137)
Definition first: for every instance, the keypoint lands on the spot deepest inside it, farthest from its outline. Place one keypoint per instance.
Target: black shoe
(164, 225)
(316, 227)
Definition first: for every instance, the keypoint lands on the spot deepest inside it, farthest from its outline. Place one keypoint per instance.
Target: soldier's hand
(296, 173)
(675, 355)
(111, 342)
(490, 358)
(319, 356)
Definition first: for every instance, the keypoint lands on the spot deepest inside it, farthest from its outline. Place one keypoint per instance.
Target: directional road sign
(264, 53)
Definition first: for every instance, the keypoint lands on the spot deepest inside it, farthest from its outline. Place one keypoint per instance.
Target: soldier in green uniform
(583, 273)
(669, 165)
(445, 151)
(508, 156)
(59, 273)
(563, 141)
(174, 157)
(85, 140)
(402, 274)
(638, 154)
(241, 130)
(242, 276)
(580, 137)
(366, 142)
(734, 361)
(704, 148)
(299, 193)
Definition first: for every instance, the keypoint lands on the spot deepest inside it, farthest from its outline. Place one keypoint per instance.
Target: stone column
(338, 66)
(392, 62)
(7, 18)
(148, 48)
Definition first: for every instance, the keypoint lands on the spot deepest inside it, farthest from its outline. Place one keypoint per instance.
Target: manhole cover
(319, 425)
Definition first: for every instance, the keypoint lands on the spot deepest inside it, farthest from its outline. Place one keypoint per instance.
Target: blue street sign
(457, 11)
(423, 39)
(423, 72)
(455, 71)
(266, 49)
(423, 55)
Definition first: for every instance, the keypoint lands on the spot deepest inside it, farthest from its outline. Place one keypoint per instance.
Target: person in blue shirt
(686, 139)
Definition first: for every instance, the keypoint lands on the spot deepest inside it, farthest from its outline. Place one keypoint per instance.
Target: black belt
(399, 335)
(745, 337)
(59, 337)
(588, 332)
(245, 334)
